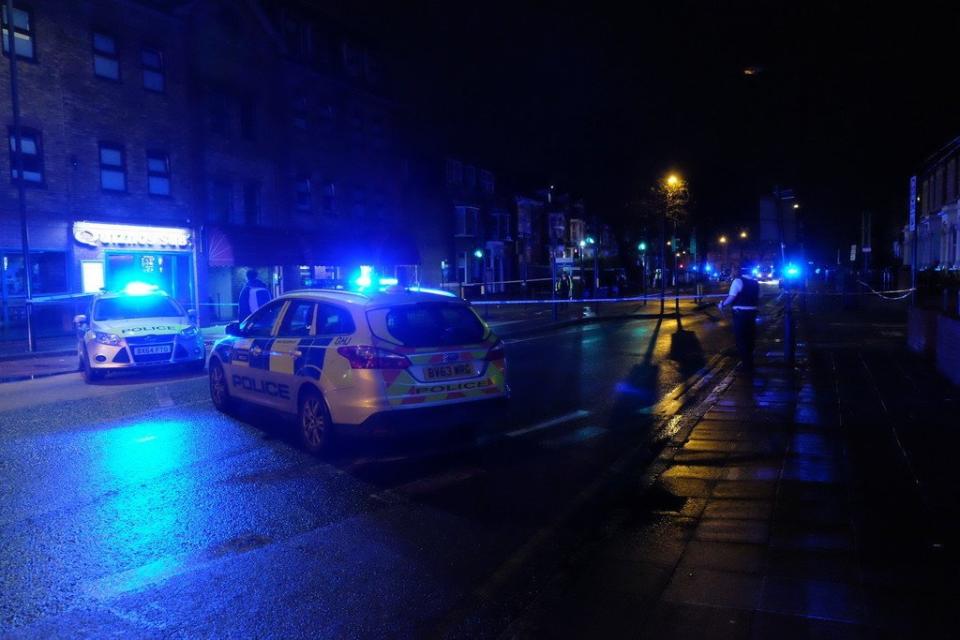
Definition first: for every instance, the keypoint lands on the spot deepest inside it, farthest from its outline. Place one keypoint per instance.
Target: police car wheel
(219, 392)
(89, 373)
(314, 420)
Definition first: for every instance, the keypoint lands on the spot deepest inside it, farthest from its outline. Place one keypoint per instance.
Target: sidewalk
(773, 516)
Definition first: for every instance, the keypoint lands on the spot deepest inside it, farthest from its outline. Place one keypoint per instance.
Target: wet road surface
(133, 507)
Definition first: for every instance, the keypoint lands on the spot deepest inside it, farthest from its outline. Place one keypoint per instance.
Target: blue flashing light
(708, 268)
(791, 270)
(817, 271)
(389, 282)
(755, 271)
(478, 253)
(139, 288)
(590, 240)
(364, 280)
(694, 268)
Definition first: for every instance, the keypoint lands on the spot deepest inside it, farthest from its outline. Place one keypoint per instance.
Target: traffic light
(642, 246)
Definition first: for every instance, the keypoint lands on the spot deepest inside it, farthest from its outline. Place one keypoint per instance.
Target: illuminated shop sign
(97, 234)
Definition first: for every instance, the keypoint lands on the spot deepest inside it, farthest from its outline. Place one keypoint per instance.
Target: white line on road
(546, 424)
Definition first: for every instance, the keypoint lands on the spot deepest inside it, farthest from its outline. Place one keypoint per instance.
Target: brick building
(184, 142)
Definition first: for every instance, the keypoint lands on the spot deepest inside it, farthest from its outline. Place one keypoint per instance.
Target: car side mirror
(79, 320)
(192, 314)
(233, 329)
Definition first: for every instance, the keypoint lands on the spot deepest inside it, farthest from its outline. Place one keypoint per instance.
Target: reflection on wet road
(136, 508)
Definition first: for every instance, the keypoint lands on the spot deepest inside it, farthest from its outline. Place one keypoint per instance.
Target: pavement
(787, 509)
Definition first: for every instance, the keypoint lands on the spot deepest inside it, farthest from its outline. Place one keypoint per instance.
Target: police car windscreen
(135, 307)
(434, 324)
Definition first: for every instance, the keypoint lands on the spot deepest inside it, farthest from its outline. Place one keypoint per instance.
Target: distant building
(930, 237)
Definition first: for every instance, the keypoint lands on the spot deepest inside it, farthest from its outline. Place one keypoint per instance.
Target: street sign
(853, 253)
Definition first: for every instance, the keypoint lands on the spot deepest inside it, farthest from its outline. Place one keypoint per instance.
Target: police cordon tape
(668, 297)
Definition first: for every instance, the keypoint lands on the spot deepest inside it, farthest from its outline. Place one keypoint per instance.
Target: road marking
(546, 424)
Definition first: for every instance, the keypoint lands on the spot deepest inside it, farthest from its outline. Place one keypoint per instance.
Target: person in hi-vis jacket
(254, 295)
(744, 298)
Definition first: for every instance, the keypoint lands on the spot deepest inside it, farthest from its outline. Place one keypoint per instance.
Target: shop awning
(228, 247)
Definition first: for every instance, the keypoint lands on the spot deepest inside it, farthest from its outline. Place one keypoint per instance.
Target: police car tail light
(496, 352)
(366, 357)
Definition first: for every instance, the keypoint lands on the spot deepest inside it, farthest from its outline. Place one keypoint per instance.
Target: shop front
(111, 256)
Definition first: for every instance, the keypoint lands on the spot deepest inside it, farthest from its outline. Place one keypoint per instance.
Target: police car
(358, 360)
(136, 328)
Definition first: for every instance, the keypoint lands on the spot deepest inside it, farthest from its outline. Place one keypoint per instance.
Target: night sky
(849, 101)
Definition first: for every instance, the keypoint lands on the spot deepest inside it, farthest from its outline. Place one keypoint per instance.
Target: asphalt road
(134, 508)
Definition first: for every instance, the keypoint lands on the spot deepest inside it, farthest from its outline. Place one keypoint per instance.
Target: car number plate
(146, 351)
(450, 371)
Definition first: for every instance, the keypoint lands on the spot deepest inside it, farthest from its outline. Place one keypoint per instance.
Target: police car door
(250, 365)
(291, 351)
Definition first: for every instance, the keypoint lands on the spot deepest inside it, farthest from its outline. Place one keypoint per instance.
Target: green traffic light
(642, 246)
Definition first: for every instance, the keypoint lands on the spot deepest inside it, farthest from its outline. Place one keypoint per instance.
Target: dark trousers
(745, 334)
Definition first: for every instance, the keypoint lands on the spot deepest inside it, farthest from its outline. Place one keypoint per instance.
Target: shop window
(31, 151)
(106, 62)
(158, 173)
(154, 77)
(113, 169)
(48, 271)
(23, 34)
(91, 275)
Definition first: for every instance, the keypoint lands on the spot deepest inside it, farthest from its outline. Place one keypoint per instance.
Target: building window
(466, 221)
(454, 172)
(248, 119)
(158, 173)
(31, 152)
(304, 194)
(221, 201)
(153, 75)
(252, 212)
(106, 63)
(298, 109)
(113, 170)
(23, 35)
(329, 198)
(359, 202)
(470, 177)
(218, 111)
(486, 181)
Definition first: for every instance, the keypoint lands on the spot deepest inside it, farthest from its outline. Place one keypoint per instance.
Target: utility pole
(663, 262)
(789, 348)
(21, 195)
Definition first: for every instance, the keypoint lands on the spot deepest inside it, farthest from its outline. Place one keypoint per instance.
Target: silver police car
(136, 328)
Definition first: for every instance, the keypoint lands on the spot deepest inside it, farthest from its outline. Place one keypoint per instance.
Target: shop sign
(98, 234)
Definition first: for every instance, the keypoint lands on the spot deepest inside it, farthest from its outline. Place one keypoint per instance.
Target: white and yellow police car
(361, 360)
(136, 328)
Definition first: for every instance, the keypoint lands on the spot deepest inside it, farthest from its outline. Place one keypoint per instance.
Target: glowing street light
(723, 239)
(796, 205)
(743, 235)
(642, 246)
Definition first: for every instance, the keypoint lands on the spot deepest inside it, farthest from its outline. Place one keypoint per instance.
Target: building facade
(182, 143)
(930, 238)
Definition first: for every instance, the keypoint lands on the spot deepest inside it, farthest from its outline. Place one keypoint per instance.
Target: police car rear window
(136, 307)
(432, 324)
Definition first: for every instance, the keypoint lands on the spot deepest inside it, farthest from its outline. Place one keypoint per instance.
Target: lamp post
(726, 259)
(674, 187)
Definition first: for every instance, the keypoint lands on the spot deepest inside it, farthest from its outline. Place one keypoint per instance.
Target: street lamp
(743, 235)
(723, 239)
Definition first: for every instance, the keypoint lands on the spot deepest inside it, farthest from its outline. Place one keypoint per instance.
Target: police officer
(254, 295)
(743, 298)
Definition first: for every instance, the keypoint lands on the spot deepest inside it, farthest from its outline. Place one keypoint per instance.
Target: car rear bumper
(402, 420)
